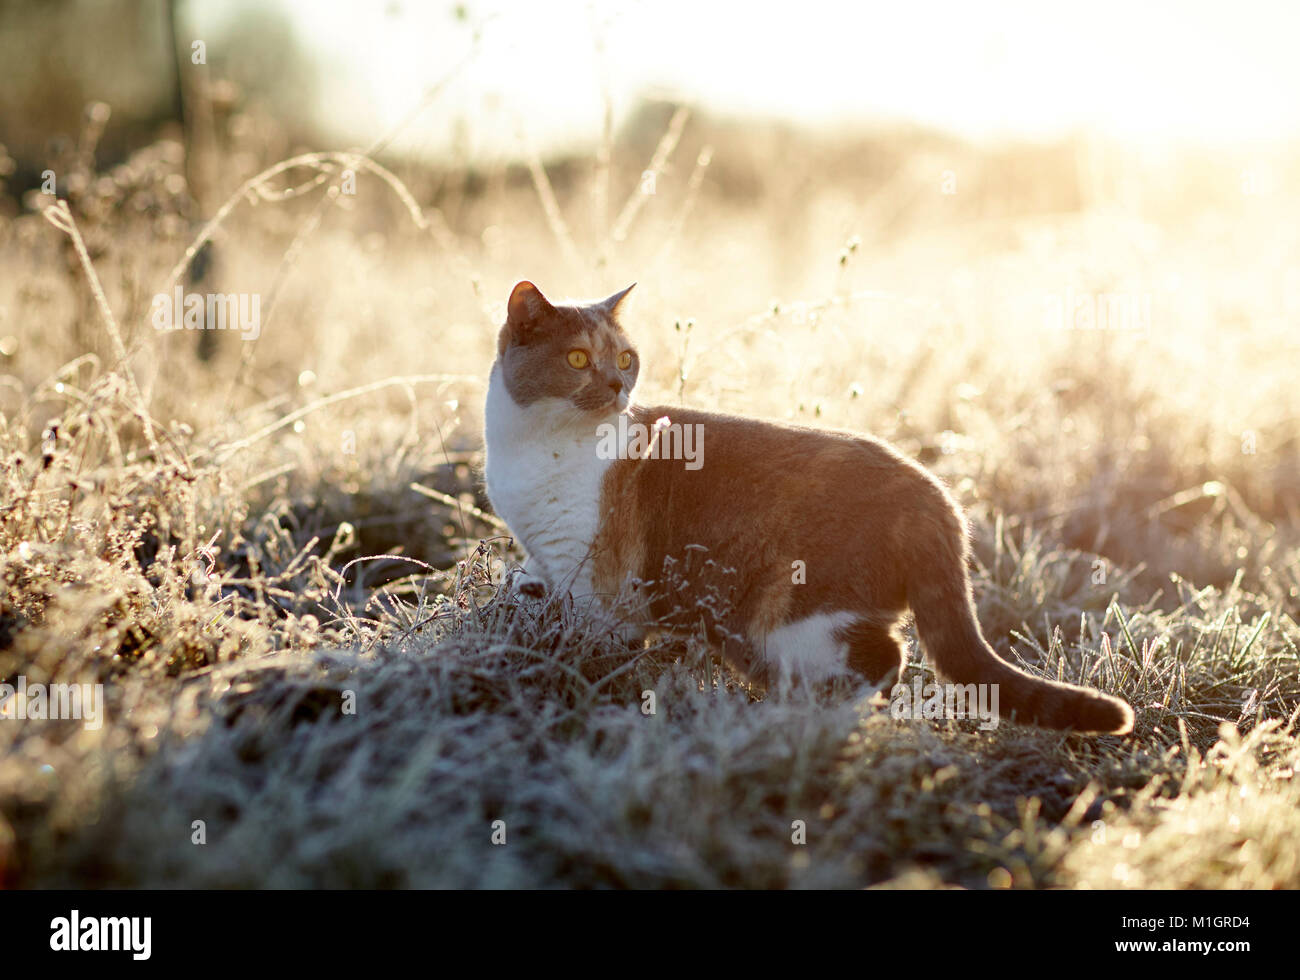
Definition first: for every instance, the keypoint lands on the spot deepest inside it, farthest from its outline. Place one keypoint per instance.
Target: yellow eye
(578, 358)
(625, 360)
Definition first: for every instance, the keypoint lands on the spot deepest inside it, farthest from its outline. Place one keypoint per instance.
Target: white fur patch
(807, 649)
(544, 479)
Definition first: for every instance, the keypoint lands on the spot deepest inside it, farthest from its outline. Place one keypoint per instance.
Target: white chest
(544, 479)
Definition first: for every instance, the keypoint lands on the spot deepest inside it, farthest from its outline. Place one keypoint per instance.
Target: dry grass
(237, 545)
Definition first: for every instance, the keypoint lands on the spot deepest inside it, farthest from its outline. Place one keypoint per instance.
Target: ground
(276, 555)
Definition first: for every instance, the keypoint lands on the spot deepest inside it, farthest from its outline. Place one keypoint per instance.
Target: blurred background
(1062, 238)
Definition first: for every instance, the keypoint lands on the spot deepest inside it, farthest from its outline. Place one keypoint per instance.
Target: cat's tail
(946, 623)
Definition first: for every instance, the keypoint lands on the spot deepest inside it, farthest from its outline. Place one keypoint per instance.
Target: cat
(797, 550)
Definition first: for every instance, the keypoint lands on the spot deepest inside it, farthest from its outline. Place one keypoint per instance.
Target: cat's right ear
(527, 309)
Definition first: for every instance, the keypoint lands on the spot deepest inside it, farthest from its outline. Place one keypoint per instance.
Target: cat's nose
(616, 385)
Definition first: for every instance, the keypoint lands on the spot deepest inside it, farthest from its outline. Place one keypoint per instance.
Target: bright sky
(1146, 69)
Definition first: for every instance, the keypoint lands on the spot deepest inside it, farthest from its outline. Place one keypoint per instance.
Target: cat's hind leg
(875, 651)
(808, 650)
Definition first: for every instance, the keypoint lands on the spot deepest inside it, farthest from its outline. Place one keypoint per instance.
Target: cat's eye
(578, 359)
(625, 360)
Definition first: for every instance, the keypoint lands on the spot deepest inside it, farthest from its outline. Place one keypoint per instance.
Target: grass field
(275, 555)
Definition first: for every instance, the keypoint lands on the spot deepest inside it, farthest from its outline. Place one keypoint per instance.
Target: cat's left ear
(611, 304)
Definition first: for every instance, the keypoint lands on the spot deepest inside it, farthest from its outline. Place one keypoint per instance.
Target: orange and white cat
(796, 550)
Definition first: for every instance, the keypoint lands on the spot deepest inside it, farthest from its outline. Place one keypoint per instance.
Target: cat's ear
(527, 305)
(611, 304)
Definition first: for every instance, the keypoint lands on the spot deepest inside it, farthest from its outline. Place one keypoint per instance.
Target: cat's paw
(525, 585)
(530, 586)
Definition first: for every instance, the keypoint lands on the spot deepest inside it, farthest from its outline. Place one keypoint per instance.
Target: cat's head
(576, 353)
